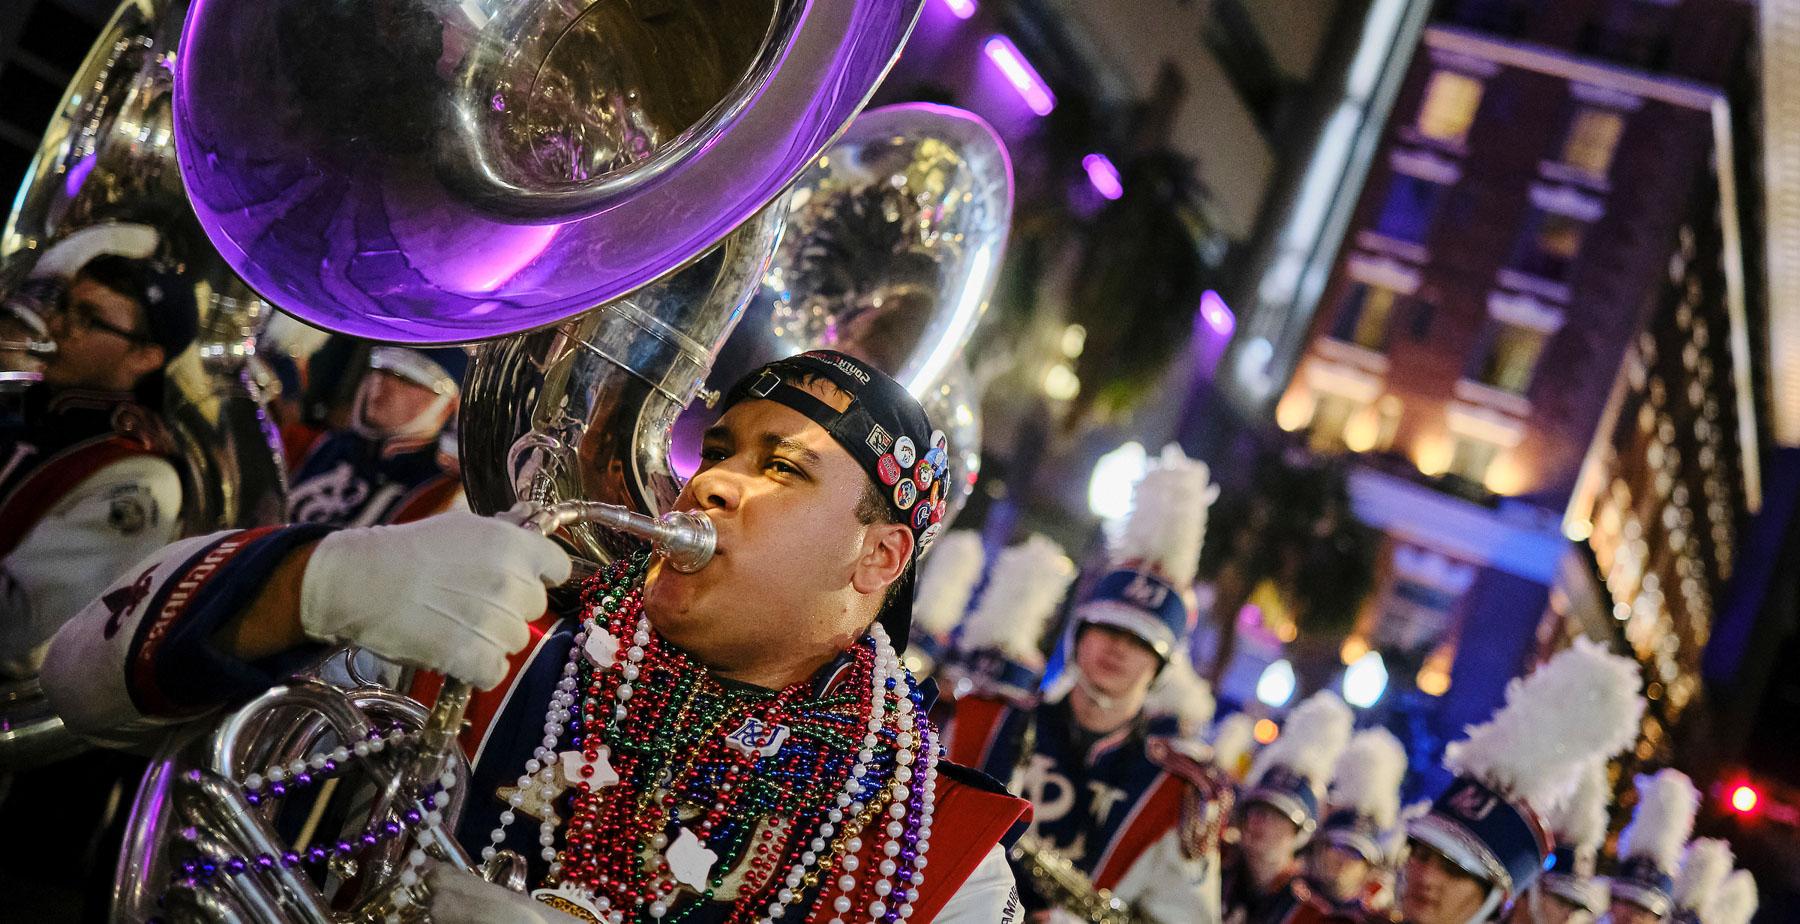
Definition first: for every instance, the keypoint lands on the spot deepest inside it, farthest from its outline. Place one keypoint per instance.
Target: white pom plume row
(1736, 902)
(1581, 705)
(1704, 868)
(1028, 582)
(947, 578)
(1663, 819)
(1180, 691)
(1580, 820)
(1167, 523)
(1368, 776)
(1316, 733)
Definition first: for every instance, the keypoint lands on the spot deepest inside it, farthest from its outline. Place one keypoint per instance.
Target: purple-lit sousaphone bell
(431, 171)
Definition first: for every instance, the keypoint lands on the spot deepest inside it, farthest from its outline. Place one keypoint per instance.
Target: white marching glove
(461, 897)
(450, 593)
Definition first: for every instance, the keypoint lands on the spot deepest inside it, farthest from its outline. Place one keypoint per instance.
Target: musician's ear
(886, 551)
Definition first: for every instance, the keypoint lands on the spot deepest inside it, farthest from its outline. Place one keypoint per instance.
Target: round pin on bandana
(888, 469)
(924, 475)
(905, 453)
(906, 494)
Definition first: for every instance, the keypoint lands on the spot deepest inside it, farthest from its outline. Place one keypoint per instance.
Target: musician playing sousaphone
(1116, 792)
(698, 746)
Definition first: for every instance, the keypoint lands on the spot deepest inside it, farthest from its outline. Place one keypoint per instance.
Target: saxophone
(1054, 878)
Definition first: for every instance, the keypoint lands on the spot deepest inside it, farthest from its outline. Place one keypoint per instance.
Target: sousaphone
(435, 171)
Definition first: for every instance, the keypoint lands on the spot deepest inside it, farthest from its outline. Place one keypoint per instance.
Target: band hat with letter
(1140, 603)
(1579, 828)
(1650, 846)
(886, 431)
(1365, 794)
(1290, 774)
(437, 368)
(1156, 550)
(1576, 708)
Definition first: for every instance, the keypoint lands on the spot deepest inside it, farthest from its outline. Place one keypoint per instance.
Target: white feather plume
(1317, 731)
(947, 578)
(1580, 821)
(1180, 691)
(1663, 819)
(1167, 523)
(1736, 902)
(1368, 776)
(1393, 841)
(1232, 739)
(1579, 706)
(1027, 583)
(1704, 868)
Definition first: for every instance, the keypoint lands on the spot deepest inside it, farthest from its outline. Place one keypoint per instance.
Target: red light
(1745, 799)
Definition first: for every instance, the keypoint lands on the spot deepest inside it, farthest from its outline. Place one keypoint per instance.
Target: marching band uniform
(1288, 777)
(1136, 809)
(1578, 708)
(88, 482)
(362, 475)
(1568, 892)
(118, 674)
(1363, 804)
(1650, 847)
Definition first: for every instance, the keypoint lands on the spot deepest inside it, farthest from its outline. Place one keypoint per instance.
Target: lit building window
(1511, 357)
(1411, 205)
(1449, 108)
(1592, 139)
(1549, 244)
(1367, 313)
(1471, 457)
(1330, 417)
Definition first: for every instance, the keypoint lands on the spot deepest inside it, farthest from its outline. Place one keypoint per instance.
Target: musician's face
(1540, 907)
(1434, 890)
(798, 575)
(1116, 662)
(1341, 874)
(1269, 839)
(1628, 913)
(101, 340)
(391, 403)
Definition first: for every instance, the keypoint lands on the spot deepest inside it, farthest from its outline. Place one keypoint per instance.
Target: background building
(1537, 339)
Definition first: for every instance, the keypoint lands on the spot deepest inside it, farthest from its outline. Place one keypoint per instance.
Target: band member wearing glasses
(88, 484)
(385, 466)
(738, 743)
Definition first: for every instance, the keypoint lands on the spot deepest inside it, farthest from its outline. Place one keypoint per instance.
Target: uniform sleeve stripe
(172, 667)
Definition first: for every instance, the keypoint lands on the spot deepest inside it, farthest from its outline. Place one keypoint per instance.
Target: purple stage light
(1020, 74)
(1103, 175)
(1217, 314)
(962, 8)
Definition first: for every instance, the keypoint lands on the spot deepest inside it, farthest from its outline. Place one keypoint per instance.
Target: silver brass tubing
(686, 540)
(36, 347)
